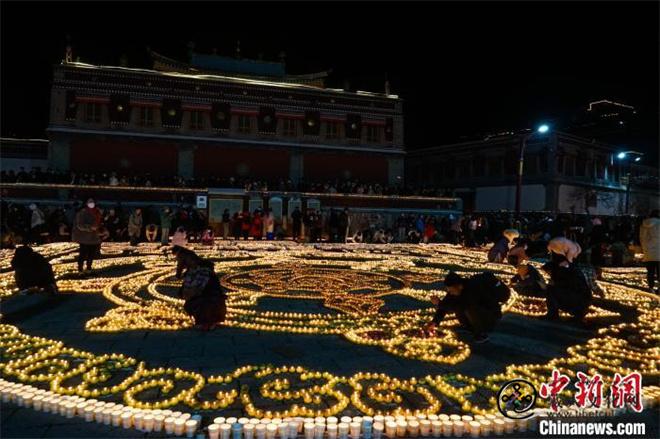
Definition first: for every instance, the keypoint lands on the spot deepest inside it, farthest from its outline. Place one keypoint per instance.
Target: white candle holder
(225, 431)
(342, 430)
(282, 430)
(214, 431)
(447, 428)
(293, 429)
(309, 430)
(355, 429)
(413, 428)
(219, 420)
(498, 427)
(486, 427)
(38, 402)
(401, 428)
(158, 422)
(148, 423)
(459, 428)
(390, 429)
(248, 431)
(138, 421)
(332, 431)
(260, 431)
(107, 416)
(169, 425)
(116, 418)
(377, 429)
(271, 431)
(191, 427)
(89, 413)
(98, 415)
(424, 428)
(475, 428)
(179, 426)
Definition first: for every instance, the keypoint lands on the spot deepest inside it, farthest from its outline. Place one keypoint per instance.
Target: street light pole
(622, 156)
(521, 163)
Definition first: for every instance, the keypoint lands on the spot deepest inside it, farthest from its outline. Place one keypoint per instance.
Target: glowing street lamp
(542, 129)
(622, 156)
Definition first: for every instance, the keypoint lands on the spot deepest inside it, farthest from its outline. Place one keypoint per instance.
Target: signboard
(201, 201)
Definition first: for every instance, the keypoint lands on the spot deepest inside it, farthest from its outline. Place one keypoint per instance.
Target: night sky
(462, 69)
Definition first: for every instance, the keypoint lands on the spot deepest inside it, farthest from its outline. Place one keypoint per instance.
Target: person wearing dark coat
(204, 299)
(32, 270)
(86, 233)
(296, 217)
(568, 290)
(473, 301)
(499, 251)
(528, 281)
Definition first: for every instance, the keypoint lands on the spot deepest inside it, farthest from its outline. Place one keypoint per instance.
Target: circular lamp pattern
(354, 284)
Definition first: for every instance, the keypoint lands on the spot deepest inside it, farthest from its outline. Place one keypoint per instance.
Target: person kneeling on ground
(32, 270)
(201, 290)
(564, 249)
(528, 281)
(568, 290)
(499, 251)
(475, 301)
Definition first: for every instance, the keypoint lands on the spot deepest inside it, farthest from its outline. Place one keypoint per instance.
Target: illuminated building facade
(562, 173)
(222, 117)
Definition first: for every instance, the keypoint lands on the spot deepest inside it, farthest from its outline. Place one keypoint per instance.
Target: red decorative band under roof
(154, 104)
(333, 119)
(244, 111)
(196, 107)
(374, 122)
(290, 115)
(93, 99)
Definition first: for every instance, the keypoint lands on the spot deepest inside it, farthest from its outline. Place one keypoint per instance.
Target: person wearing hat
(473, 300)
(86, 233)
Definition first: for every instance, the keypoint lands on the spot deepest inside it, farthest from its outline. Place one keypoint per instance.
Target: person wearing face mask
(86, 233)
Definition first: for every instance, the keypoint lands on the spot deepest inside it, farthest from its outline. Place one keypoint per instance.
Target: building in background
(562, 173)
(222, 117)
(23, 153)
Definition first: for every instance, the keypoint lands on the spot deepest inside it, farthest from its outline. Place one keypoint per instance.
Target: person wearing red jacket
(257, 228)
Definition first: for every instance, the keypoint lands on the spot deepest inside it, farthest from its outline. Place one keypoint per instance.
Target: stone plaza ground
(351, 313)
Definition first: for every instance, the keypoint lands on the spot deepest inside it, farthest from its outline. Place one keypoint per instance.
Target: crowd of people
(476, 301)
(606, 240)
(341, 186)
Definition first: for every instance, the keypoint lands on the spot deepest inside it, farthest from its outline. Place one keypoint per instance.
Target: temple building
(223, 117)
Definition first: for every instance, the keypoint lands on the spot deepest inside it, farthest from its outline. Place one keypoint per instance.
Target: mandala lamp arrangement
(354, 285)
